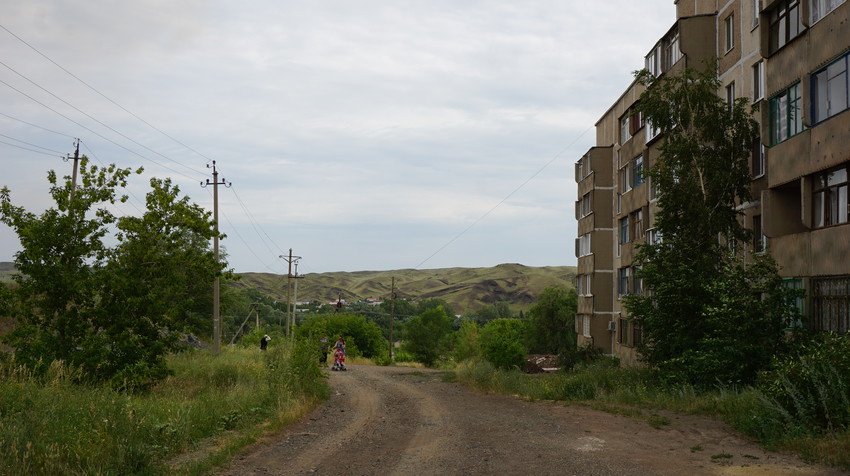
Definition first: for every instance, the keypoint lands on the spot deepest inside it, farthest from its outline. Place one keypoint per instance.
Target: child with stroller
(339, 355)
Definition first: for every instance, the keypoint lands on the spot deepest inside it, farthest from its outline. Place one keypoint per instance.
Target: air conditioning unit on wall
(612, 325)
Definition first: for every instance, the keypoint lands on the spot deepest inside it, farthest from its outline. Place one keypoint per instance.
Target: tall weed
(50, 425)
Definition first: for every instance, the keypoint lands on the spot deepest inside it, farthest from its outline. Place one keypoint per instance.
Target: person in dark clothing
(264, 342)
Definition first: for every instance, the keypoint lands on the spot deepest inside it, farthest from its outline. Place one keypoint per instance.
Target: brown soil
(400, 421)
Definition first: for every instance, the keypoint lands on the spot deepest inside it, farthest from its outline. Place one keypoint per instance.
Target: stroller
(339, 359)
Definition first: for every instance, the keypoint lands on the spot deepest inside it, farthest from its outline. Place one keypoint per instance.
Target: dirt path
(398, 421)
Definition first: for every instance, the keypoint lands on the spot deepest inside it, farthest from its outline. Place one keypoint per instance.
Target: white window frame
(828, 85)
(822, 8)
(756, 5)
(758, 81)
(729, 25)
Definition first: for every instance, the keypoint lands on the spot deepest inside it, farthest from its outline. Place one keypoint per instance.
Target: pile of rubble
(540, 363)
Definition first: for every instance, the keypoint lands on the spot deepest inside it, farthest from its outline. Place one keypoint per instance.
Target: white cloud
(376, 130)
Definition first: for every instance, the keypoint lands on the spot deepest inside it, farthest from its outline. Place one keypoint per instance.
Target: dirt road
(399, 421)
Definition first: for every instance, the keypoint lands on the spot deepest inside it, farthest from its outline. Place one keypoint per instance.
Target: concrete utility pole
(76, 160)
(290, 260)
(295, 298)
(216, 315)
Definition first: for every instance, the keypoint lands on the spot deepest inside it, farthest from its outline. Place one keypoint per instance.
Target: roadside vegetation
(185, 424)
(799, 406)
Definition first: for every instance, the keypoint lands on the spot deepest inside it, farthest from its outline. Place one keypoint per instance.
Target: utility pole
(392, 316)
(76, 166)
(290, 260)
(216, 284)
(295, 298)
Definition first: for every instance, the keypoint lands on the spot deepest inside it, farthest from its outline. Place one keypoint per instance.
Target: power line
(93, 131)
(92, 117)
(101, 94)
(36, 125)
(31, 145)
(28, 149)
(488, 212)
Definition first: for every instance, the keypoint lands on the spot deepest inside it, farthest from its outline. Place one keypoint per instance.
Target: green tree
(552, 319)
(362, 337)
(491, 312)
(114, 311)
(62, 255)
(503, 341)
(426, 335)
(701, 316)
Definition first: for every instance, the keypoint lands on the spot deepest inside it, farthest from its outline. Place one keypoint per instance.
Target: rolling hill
(466, 289)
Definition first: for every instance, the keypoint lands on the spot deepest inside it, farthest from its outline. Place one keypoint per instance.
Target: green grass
(209, 409)
(634, 392)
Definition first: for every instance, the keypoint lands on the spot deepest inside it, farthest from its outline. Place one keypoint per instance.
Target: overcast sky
(364, 135)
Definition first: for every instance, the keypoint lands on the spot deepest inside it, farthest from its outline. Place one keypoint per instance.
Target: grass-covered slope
(466, 289)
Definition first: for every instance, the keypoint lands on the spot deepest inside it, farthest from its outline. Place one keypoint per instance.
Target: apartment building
(790, 59)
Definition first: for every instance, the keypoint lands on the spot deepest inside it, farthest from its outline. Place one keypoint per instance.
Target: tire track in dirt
(400, 421)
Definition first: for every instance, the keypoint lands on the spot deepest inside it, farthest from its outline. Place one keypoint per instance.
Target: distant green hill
(6, 271)
(466, 289)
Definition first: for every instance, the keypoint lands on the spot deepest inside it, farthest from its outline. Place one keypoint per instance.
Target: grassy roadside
(207, 411)
(633, 392)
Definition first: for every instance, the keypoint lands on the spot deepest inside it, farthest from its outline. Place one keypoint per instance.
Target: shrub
(503, 342)
(426, 335)
(466, 341)
(810, 387)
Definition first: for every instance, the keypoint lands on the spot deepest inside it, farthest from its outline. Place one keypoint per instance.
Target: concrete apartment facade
(790, 58)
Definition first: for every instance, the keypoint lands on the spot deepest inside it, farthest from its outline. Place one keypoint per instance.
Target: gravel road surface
(402, 421)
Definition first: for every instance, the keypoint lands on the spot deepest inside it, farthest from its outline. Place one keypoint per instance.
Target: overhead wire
(95, 90)
(93, 131)
(94, 118)
(92, 88)
(507, 197)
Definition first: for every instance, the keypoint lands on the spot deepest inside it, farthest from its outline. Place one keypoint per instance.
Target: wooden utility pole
(392, 316)
(216, 284)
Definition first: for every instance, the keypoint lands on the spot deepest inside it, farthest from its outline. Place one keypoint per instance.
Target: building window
(830, 198)
(831, 304)
(637, 171)
(585, 325)
(653, 61)
(672, 52)
(637, 283)
(785, 118)
(759, 240)
(830, 89)
(583, 284)
(637, 229)
(583, 245)
(623, 281)
(758, 81)
(653, 237)
(785, 24)
(625, 133)
(635, 122)
(821, 7)
(730, 96)
(756, 7)
(624, 230)
(758, 158)
(584, 206)
(582, 168)
(625, 178)
(793, 321)
(729, 23)
(651, 131)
